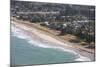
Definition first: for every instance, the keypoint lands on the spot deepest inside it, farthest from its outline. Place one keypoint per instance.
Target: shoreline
(32, 30)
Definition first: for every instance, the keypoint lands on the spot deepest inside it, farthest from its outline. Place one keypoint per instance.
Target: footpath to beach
(85, 53)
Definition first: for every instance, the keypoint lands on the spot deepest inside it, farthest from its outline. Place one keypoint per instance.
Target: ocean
(25, 52)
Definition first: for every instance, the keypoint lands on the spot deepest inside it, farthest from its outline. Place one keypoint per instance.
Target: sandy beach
(43, 37)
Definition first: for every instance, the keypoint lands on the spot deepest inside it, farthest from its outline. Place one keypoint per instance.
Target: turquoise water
(22, 53)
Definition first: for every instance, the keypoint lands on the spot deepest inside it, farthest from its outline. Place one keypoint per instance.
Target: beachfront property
(48, 33)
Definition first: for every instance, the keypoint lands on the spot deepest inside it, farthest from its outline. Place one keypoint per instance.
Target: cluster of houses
(64, 18)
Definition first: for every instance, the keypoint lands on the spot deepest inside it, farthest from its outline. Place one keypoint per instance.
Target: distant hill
(64, 9)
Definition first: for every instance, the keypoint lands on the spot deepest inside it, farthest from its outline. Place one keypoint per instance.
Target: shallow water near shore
(27, 52)
(24, 54)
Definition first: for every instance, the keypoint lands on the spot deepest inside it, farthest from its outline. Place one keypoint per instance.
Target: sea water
(25, 53)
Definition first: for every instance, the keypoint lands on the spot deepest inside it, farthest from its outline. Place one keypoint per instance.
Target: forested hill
(64, 9)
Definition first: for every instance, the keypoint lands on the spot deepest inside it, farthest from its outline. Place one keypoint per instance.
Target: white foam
(18, 33)
(82, 58)
(37, 44)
